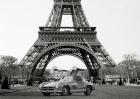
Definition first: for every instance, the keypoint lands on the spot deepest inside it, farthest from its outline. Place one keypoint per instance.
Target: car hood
(48, 84)
(52, 84)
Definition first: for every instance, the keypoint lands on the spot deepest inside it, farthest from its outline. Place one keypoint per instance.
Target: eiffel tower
(80, 40)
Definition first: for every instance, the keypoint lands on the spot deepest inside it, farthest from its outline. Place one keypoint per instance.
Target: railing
(78, 29)
(67, 0)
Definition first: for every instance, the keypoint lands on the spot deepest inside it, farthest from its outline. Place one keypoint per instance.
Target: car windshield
(67, 78)
(78, 78)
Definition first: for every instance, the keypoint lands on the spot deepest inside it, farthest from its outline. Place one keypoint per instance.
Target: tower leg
(87, 62)
(31, 79)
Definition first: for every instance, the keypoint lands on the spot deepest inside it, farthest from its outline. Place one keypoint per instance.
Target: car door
(79, 82)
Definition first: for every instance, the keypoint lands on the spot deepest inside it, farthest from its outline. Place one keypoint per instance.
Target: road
(102, 92)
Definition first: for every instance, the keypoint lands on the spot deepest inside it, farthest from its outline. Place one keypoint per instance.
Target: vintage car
(67, 86)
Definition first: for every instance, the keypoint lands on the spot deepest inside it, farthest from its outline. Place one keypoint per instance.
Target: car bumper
(53, 90)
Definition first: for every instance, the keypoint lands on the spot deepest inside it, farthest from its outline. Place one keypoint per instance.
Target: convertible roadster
(67, 86)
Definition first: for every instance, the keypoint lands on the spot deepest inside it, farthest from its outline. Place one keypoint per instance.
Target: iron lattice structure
(79, 40)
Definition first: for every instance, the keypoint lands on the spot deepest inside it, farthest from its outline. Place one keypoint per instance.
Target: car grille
(48, 88)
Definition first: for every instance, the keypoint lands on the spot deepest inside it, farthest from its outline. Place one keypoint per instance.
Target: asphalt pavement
(102, 92)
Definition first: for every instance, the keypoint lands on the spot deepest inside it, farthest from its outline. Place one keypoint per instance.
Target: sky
(117, 22)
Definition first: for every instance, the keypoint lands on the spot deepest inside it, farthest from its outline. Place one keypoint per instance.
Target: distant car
(138, 81)
(67, 86)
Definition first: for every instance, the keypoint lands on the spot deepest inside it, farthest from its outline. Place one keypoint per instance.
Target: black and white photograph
(64, 49)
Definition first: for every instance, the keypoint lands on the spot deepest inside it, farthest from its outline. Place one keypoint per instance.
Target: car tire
(46, 94)
(88, 90)
(65, 91)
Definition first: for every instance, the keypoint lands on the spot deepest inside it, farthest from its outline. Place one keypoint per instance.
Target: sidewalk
(133, 85)
(15, 89)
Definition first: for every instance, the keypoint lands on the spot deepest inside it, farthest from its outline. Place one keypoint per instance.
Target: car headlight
(57, 86)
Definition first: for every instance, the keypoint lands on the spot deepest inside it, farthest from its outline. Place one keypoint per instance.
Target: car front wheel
(65, 91)
(88, 90)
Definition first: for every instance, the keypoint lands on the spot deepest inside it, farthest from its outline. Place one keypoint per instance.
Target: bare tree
(8, 68)
(8, 60)
(130, 63)
(9, 65)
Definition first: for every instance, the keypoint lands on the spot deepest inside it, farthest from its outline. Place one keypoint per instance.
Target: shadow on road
(34, 91)
(15, 90)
